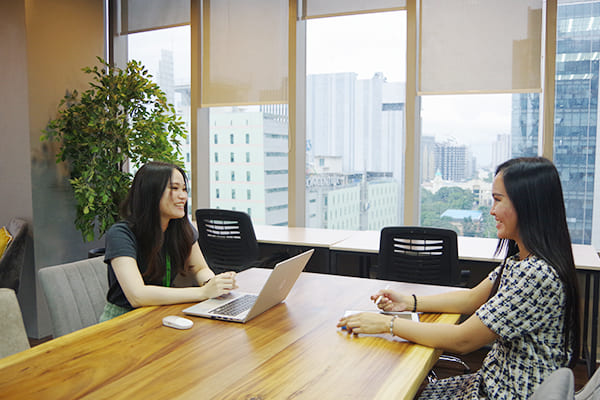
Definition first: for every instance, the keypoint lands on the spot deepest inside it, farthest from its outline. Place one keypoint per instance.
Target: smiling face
(173, 200)
(504, 212)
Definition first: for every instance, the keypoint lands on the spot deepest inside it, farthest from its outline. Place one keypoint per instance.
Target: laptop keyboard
(237, 306)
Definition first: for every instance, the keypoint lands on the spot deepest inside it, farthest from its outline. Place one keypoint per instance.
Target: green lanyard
(167, 277)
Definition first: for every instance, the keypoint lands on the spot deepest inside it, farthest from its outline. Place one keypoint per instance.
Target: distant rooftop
(462, 214)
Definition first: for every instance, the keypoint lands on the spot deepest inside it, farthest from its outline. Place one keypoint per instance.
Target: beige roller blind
(480, 46)
(328, 8)
(146, 15)
(244, 52)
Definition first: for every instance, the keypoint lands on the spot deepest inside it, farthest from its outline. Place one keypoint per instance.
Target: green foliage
(433, 205)
(123, 116)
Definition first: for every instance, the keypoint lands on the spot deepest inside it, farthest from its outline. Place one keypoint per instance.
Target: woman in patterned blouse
(527, 307)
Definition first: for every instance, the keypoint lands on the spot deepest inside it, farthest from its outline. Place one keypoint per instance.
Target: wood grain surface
(292, 351)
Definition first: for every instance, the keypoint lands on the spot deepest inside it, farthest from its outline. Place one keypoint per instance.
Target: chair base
(432, 376)
(445, 357)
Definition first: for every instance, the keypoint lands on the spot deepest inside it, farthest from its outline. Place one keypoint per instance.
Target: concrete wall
(44, 44)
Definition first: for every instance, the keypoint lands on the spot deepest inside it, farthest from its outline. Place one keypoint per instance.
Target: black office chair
(227, 239)
(420, 255)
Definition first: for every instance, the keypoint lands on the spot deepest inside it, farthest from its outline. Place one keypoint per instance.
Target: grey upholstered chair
(559, 385)
(11, 263)
(13, 337)
(76, 293)
(591, 390)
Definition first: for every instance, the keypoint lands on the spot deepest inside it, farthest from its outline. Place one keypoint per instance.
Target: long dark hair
(533, 186)
(141, 210)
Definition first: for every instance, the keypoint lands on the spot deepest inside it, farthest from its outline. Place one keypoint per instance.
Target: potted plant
(123, 117)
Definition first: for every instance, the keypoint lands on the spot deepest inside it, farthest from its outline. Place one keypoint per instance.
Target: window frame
(297, 98)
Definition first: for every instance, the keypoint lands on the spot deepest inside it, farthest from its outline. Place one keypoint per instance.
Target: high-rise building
(166, 74)
(453, 161)
(348, 119)
(575, 117)
(427, 158)
(500, 150)
(249, 164)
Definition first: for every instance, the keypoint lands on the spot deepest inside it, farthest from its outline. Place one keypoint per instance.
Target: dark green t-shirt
(121, 242)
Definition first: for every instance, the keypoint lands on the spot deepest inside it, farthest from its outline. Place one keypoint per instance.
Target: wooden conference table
(481, 251)
(471, 251)
(293, 350)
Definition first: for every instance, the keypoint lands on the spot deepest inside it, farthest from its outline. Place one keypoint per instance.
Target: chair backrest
(76, 293)
(226, 238)
(591, 390)
(559, 385)
(418, 255)
(13, 337)
(11, 263)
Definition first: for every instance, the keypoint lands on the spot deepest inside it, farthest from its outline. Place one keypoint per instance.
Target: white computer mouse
(173, 321)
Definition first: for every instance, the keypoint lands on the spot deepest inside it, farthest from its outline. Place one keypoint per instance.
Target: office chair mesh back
(227, 239)
(418, 255)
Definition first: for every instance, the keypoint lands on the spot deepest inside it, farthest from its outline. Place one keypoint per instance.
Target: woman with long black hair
(528, 307)
(153, 243)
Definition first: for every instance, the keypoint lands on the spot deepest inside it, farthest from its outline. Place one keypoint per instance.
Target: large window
(464, 138)
(355, 120)
(358, 104)
(166, 55)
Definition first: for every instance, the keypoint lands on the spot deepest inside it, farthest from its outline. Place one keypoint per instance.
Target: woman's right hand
(220, 284)
(393, 301)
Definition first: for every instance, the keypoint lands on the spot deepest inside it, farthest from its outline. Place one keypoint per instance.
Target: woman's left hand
(220, 284)
(366, 322)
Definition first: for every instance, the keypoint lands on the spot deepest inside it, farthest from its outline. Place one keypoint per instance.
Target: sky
(370, 43)
(364, 44)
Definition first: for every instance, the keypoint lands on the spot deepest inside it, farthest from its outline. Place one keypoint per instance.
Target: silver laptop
(241, 307)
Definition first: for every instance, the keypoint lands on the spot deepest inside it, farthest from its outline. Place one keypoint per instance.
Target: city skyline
(475, 119)
(361, 44)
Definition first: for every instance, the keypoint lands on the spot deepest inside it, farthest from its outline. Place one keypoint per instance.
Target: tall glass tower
(576, 114)
(576, 110)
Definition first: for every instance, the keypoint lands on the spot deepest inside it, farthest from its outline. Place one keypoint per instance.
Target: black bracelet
(415, 299)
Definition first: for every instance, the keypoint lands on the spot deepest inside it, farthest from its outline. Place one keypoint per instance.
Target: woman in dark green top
(154, 243)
